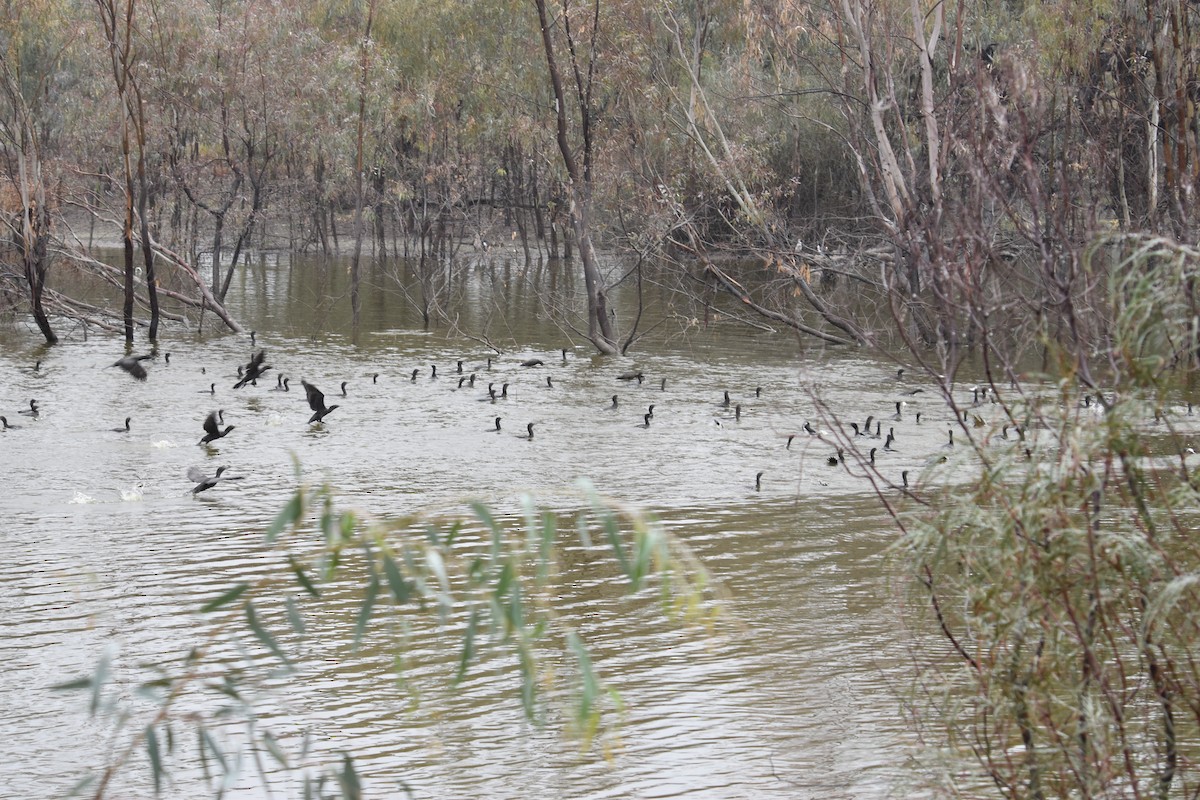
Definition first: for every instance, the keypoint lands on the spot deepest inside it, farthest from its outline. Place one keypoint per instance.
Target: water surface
(797, 696)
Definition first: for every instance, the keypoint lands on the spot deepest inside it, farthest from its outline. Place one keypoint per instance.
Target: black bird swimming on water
(167, 359)
(254, 370)
(205, 482)
(316, 401)
(497, 428)
(833, 461)
(432, 371)
(726, 401)
(758, 482)
(212, 389)
(212, 430)
(125, 429)
(460, 369)
(529, 434)
(375, 378)
(614, 402)
(32, 411)
(414, 375)
(549, 382)
(344, 388)
(4, 422)
(133, 365)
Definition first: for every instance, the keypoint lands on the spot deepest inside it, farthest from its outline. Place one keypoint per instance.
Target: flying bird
(133, 365)
(254, 370)
(316, 401)
(212, 430)
(206, 482)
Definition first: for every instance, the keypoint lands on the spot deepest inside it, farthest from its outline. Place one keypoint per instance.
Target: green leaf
(549, 531)
(293, 615)
(298, 570)
(262, 635)
(99, 678)
(364, 612)
(72, 686)
(348, 779)
(272, 745)
(207, 741)
(468, 648)
(485, 516)
(401, 588)
(612, 532)
(590, 685)
(155, 757)
(287, 517)
(224, 599)
(346, 525)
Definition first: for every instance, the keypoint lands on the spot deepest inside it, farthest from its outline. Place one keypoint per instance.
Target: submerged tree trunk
(35, 224)
(355, 268)
(599, 328)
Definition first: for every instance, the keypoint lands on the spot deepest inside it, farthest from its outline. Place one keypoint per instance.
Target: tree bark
(600, 329)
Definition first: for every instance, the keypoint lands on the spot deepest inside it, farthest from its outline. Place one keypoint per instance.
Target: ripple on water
(791, 694)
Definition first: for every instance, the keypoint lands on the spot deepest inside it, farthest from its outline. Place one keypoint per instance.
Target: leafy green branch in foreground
(487, 581)
(1065, 581)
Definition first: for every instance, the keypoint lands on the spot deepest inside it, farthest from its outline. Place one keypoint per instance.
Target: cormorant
(211, 430)
(133, 365)
(316, 401)
(204, 482)
(254, 370)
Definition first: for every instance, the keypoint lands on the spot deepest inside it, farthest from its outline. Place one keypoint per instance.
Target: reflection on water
(796, 697)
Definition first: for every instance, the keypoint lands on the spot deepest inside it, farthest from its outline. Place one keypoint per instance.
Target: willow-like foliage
(1064, 581)
(487, 585)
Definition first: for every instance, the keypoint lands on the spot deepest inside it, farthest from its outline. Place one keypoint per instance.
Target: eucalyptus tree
(30, 66)
(26, 203)
(119, 22)
(223, 121)
(572, 38)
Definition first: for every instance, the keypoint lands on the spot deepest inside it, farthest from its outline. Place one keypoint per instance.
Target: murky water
(105, 546)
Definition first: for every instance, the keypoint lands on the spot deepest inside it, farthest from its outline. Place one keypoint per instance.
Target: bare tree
(577, 156)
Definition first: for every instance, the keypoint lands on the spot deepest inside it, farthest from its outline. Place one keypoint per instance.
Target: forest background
(1010, 182)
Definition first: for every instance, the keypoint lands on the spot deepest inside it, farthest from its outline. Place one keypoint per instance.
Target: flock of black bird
(257, 367)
